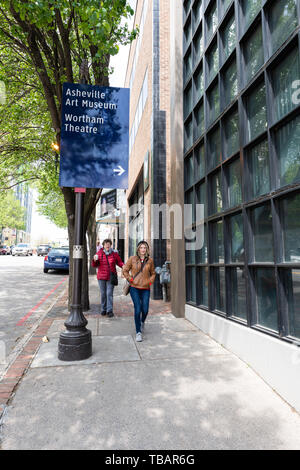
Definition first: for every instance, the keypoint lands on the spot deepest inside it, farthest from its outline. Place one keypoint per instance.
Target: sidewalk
(178, 389)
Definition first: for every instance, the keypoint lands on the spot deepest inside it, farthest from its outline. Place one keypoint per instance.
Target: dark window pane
(236, 239)
(214, 149)
(224, 5)
(213, 103)
(201, 196)
(290, 216)
(229, 38)
(203, 286)
(199, 163)
(288, 148)
(217, 242)
(188, 171)
(256, 112)
(187, 5)
(262, 233)
(201, 254)
(283, 76)
(189, 210)
(187, 32)
(213, 62)
(188, 101)
(212, 21)
(234, 184)
(292, 288)
(283, 20)
(259, 170)
(198, 47)
(191, 284)
(187, 65)
(231, 129)
(265, 287)
(230, 83)
(188, 134)
(238, 293)
(216, 201)
(199, 85)
(199, 121)
(190, 255)
(219, 289)
(197, 10)
(253, 53)
(250, 10)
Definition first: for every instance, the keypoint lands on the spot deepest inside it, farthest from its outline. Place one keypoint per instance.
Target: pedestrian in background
(140, 273)
(106, 260)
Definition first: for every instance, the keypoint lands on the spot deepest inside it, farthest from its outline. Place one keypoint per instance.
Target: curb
(19, 366)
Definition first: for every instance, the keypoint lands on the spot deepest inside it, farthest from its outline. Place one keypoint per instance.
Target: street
(26, 294)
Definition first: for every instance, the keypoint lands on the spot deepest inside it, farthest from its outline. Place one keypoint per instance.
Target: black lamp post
(75, 344)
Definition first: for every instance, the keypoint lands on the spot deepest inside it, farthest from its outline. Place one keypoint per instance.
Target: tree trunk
(92, 238)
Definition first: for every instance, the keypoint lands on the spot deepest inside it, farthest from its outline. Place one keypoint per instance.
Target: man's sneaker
(142, 327)
(103, 313)
(110, 314)
(139, 337)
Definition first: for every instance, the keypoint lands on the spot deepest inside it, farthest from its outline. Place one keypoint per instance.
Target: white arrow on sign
(119, 170)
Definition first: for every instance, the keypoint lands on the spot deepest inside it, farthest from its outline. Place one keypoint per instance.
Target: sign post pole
(75, 344)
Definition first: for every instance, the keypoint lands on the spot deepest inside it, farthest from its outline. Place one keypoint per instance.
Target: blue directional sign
(94, 137)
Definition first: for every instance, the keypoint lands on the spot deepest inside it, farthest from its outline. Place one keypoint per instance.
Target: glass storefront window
(230, 84)
(234, 184)
(237, 251)
(283, 77)
(229, 38)
(212, 21)
(191, 284)
(199, 121)
(217, 246)
(261, 219)
(290, 219)
(199, 162)
(250, 10)
(213, 62)
(214, 149)
(213, 103)
(283, 19)
(238, 293)
(256, 112)
(231, 131)
(258, 161)
(292, 289)
(265, 286)
(219, 289)
(202, 286)
(199, 84)
(253, 53)
(287, 143)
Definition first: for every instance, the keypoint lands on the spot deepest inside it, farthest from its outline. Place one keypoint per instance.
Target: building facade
(148, 76)
(24, 194)
(236, 81)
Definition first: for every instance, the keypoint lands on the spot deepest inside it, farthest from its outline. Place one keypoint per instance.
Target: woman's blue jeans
(140, 298)
(107, 292)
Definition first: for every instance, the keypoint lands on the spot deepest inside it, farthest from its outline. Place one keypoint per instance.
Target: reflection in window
(258, 160)
(212, 21)
(213, 103)
(256, 112)
(288, 149)
(265, 286)
(230, 83)
(199, 121)
(290, 217)
(262, 233)
(292, 288)
(250, 10)
(201, 196)
(188, 171)
(238, 293)
(197, 11)
(187, 32)
(219, 289)
(201, 254)
(234, 184)
(199, 84)
(188, 134)
(224, 5)
(282, 21)
(229, 38)
(213, 62)
(216, 204)
(203, 286)
(191, 284)
(200, 162)
(198, 47)
(217, 247)
(283, 77)
(253, 53)
(231, 129)
(188, 101)
(214, 149)
(236, 239)
(188, 65)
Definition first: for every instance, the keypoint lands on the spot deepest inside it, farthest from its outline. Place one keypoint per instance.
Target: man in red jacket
(106, 260)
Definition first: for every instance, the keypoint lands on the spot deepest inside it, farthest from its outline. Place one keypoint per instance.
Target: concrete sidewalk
(178, 389)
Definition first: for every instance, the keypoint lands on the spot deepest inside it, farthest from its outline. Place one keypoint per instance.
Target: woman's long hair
(147, 254)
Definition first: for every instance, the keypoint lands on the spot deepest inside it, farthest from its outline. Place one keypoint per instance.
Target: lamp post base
(75, 345)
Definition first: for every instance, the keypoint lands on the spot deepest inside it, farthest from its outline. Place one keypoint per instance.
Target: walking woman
(139, 272)
(106, 260)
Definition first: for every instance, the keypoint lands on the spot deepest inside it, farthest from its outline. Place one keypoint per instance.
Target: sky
(40, 226)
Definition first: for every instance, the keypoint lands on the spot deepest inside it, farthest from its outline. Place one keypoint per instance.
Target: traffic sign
(94, 137)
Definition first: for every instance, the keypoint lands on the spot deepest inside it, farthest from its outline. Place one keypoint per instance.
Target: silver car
(22, 249)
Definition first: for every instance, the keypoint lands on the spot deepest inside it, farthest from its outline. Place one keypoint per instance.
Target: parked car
(43, 250)
(4, 250)
(22, 249)
(57, 258)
